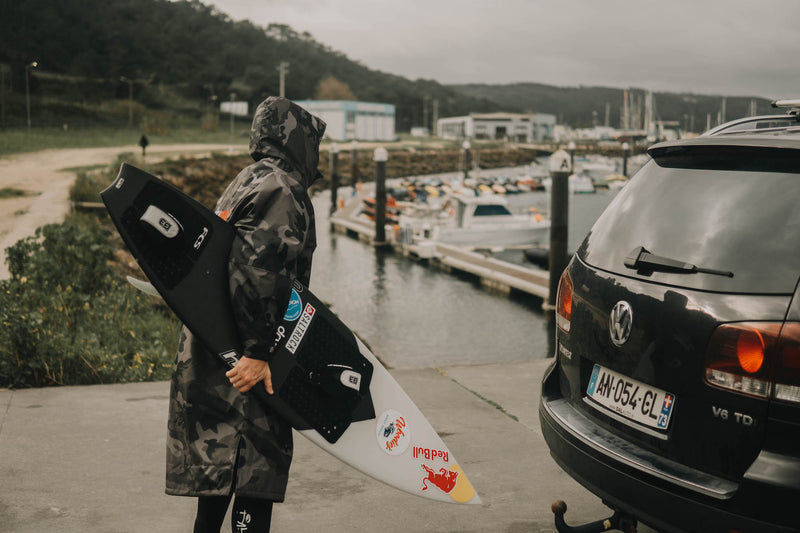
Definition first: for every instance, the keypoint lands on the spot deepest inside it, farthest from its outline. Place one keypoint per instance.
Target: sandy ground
(46, 178)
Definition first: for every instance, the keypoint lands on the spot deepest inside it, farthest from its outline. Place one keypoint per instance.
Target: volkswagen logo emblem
(620, 323)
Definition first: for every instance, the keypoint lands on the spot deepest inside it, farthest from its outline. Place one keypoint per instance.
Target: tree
(330, 88)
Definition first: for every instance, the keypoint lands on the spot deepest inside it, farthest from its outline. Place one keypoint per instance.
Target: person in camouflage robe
(221, 441)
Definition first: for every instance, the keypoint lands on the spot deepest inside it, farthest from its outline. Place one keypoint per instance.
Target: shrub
(67, 318)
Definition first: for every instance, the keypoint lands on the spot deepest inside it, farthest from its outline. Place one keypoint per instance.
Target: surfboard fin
(144, 286)
(336, 380)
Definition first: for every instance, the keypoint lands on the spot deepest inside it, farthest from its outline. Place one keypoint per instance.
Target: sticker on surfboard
(451, 481)
(393, 432)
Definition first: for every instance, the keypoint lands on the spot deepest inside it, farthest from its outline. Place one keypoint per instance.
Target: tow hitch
(618, 521)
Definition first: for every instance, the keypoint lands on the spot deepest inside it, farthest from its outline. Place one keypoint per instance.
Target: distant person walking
(143, 142)
(222, 442)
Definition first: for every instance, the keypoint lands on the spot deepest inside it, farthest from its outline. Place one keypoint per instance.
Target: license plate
(632, 399)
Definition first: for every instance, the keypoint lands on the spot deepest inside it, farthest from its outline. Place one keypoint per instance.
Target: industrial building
(349, 121)
(516, 127)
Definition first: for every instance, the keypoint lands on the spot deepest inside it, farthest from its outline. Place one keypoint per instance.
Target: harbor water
(415, 316)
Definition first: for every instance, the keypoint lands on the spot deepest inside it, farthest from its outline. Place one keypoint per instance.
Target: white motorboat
(475, 222)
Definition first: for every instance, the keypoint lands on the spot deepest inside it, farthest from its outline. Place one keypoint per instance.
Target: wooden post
(354, 163)
(380, 157)
(466, 146)
(560, 171)
(334, 152)
(625, 159)
(572, 155)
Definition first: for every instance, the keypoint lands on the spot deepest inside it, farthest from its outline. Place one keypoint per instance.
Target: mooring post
(571, 147)
(625, 159)
(354, 163)
(380, 156)
(560, 170)
(334, 152)
(466, 146)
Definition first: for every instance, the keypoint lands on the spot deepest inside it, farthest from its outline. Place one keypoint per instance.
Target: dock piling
(380, 157)
(560, 170)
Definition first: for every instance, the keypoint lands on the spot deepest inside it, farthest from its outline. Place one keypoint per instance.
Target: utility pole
(27, 92)
(3, 68)
(425, 112)
(233, 97)
(435, 116)
(283, 69)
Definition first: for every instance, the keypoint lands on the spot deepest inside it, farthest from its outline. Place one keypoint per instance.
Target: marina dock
(493, 274)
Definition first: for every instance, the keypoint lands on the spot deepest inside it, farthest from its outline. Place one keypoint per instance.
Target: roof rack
(763, 124)
(793, 104)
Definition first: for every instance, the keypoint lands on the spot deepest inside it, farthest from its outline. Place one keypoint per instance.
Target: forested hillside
(585, 106)
(119, 61)
(180, 55)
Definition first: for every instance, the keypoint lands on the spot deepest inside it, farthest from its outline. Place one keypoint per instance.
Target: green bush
(67, 318)
(87, 187)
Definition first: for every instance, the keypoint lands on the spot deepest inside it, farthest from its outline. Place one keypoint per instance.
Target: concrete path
(91, 459)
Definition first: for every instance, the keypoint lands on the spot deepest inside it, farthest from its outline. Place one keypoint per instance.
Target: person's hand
(248, 372)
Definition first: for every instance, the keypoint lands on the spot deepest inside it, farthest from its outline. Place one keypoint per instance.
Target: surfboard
(328, 385)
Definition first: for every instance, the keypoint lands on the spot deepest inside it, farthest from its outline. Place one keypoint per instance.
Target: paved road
(91, 459)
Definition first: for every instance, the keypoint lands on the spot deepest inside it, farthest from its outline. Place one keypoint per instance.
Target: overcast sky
(728, 47)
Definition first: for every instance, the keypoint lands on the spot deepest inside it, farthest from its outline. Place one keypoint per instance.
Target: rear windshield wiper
(643, 261)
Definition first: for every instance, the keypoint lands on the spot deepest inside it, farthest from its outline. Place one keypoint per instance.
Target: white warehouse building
(517, 127)
(348, 121)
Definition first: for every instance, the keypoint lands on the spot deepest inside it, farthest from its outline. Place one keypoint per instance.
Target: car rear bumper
(661, 493)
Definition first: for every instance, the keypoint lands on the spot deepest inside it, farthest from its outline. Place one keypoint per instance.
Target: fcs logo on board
(300, 330)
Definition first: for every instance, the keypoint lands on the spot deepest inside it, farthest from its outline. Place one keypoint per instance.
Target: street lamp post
(27, 91)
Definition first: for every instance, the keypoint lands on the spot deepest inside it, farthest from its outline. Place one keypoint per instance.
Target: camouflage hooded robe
(219, 439)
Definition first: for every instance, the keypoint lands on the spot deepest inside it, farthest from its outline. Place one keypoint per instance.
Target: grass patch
(12, 192)
(21, 140)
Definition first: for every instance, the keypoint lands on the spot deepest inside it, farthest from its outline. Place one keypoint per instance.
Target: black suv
(675, 391)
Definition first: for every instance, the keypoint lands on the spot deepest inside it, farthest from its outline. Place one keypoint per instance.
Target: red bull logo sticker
(444, 479)
(451, 481)
(393, 432)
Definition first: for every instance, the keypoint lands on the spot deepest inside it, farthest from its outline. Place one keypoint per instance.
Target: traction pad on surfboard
(189, 267)
(330, 406)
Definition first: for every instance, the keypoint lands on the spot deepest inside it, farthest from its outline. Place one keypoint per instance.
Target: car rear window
(716, 217)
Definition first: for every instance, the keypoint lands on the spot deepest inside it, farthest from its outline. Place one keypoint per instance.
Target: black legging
(249, 515)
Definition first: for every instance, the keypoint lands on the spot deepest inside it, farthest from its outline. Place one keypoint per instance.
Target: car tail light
(739, 356)
(564, 302)
(786, 377)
